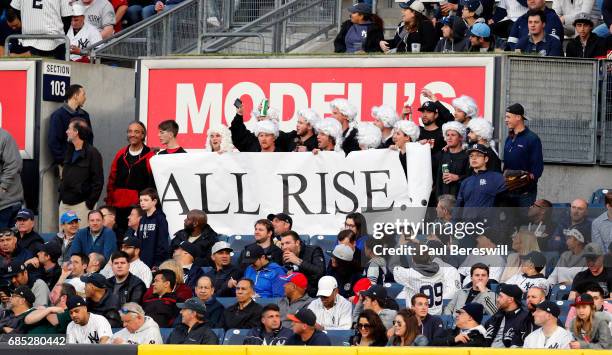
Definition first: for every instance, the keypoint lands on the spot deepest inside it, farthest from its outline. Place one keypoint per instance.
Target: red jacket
(126, 180)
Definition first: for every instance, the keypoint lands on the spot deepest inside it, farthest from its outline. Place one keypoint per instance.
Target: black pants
(58, 53)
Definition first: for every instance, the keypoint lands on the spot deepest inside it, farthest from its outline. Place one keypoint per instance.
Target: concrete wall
(564, 183)
(111, 105)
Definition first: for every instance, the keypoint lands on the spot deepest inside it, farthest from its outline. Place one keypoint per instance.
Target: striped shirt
(44, 18)
(513, 9)
(137, 268)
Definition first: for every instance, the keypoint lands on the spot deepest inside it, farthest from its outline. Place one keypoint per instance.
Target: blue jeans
(149, 10)
(7, 216)
(133, 14)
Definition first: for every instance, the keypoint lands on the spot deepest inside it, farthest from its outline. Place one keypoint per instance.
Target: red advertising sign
(17, 103)
(198, 92)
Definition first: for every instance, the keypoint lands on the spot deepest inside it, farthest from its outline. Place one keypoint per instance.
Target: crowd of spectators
(117, 265)
(525, 26)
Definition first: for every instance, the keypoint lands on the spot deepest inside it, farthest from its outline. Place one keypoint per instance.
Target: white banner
(236, 189)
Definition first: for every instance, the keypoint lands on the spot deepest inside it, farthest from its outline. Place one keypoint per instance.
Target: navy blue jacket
(153, 232)
(105, 244)
(433, 328)
(478, 192)
(523, 151)
(553, 27)
(548, 47)
(58, 124)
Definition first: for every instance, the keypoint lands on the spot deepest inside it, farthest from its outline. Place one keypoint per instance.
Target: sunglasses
(126, 311)
(364, 326)
(399, 324)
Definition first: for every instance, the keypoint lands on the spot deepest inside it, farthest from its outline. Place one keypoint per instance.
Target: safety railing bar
(223, 34)
(20, 36)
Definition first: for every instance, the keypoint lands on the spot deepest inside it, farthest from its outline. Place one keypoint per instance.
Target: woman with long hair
(415, 29)
(356, 222)
(370, 330)
(406, 330)
(590, 329)
(361, 33)
(523, 243)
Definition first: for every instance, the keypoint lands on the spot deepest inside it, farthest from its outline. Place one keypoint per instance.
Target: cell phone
(238, 103)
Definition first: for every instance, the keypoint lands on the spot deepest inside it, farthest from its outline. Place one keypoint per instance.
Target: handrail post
(21, 36)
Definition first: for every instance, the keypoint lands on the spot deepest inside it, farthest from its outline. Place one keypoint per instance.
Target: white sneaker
(213, 21)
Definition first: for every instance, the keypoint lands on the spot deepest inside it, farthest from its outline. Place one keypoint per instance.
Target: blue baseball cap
(480, 30)
(25, 213)
(68, 217)
(361, 8)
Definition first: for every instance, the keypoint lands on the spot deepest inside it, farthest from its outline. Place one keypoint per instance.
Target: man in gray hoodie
(11, 191)
(139, 329)
(375, 298)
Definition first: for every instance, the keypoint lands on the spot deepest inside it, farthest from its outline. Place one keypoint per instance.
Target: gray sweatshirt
(599, 338)
(147, 334)
(11, 191)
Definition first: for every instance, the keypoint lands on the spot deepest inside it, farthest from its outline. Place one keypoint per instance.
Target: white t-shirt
(525, 282)
(560, 339)
(91, 333)
(84, 38)
(337, 317)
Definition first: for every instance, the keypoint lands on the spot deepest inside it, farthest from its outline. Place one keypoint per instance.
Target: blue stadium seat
(235, 256)
(393, 289)
(339, 337)
(222, 237)
(326, 242)
(305, 239)
(220, 333)
(235, 336)
(493, 286)
(564, 306)
(226, 301)
(595, 211)
(401, 302)
(165, 333)
(598, 197)
(559, 292)
(264, 301)
(238, 242)
(47, 236)
(448, 320)
(485, 318)
(445, 302)
(552, 257)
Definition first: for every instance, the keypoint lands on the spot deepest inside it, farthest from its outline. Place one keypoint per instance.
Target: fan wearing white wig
(452, 163)
(219, 139)
(264, 138)
(304, 137)
(369, 136)
(345, 113)
(404, 132)
(481, 131)
(329, 135)
(465, 109)
(385, 118)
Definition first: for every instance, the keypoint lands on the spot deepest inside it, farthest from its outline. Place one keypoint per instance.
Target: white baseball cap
(218, 246)
(78, 10)
(327, 285)
(343, 252)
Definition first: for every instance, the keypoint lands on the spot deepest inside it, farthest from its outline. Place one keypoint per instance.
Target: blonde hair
(529, 242)
(176, 268)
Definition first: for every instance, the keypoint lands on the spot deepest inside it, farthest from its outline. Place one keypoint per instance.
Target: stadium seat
(552, 257)
(222, 238)
(165, 333)
(596, 211)
(238, 242)
(47, 236)
(220, 333)
(264, 301)
(448, 320)
(564, 306)
(326, 242)
(393, 289)
(401, 302)
(235, 336)
(235, 257)
(485, 318)
(445, 302)
(305, 239)
(598, 197)
(559, 293)
(226, 301)
(339, 337)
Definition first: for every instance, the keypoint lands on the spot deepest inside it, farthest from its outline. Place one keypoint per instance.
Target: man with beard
(198, 232)
(306, 259)
(578, 219)
(20, 304)
(505, 328)
(540, 221)
(304, 137)
(431, 133)
(535, 295)
(263, 237)
(86, 327)
(282, 223)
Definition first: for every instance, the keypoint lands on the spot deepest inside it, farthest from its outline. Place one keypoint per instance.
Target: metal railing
(49, 37)
(605, 145)
(286, 28)
(560, 96)
(282, 26)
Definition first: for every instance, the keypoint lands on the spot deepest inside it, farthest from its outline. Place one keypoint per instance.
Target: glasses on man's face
(364, 326)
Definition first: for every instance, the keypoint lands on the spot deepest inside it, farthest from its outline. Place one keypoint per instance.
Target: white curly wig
(227, 145)
(332, 128)
(345, 107)
(369, 135)
(266, 126)
(482, 128)
(386, 115)
(467, 105)
(453, 126)
(409, 128)
(310, 116)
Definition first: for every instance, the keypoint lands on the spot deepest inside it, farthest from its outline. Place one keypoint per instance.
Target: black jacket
(132, 289)
(595, 47)
(204, 243)
(514, 331)
(83, 179)
(258, 336)
(425, 35)
(221, 277)
(458, 163)
(477, 339)
(199, 334)
(349, 141)
(293, 141)
(312, 266)
(371, 43)
(246, 141)
(247, 318)
(214, 313)
(163, 309)
(58, 124)
(107, 307)
(31, 241)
